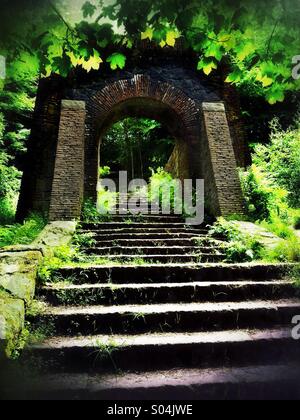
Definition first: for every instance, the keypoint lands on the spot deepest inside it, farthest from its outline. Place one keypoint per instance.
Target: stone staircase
(173, 311)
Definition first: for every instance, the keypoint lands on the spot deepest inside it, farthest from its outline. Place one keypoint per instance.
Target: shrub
(281, 159)
(91, 214)
(286, 251)
(240, 247)
(163, 189)
(22, 234)
(7, 211)
(263, 197)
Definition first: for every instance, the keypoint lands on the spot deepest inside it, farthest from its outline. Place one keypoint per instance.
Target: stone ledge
(56, 234)
(73, 105)
(18, 272)
(213, 107)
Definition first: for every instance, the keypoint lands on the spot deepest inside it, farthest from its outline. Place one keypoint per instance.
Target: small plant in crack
(105, 350)
(139, 316)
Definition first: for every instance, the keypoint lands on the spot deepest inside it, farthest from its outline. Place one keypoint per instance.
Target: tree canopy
(257, 39)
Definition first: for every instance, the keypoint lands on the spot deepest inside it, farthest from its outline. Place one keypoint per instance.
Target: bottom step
(164, 351)
(264, 382)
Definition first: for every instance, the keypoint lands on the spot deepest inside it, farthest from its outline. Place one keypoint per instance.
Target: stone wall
(223, 187)
(67, 185)
(18, 276)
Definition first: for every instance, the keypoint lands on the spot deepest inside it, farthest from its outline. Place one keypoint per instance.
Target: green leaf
(116, 60)
(244, 50)
(62, 65)
(276, 94)
(148, 34)
(235, 76)
(214, 50)
(171, 38)
(88, 9)
(207, 65)
(93, 63)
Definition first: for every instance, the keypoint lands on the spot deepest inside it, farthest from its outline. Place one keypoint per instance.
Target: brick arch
(142, 97)
(68, 122)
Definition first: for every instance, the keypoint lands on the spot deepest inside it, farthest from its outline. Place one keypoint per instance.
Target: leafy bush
(104, 171)
(163, 189)
(7, 211)
(263, 197)
(281, 159)
(22, 234)
(286, 251)
(240, 247)
(282, 228)
(91, 214)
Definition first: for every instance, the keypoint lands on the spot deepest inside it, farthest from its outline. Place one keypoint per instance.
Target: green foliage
(116, 61)
(134, 145)
(7, 211)
(91, 214)
(22, 234)
(271, 186)
(104, 171)
(282, 228)
(163, 189)
(281, 159)
(257, 45)
(287, 251)
(240, 247)
(263, 197)
(84, 240)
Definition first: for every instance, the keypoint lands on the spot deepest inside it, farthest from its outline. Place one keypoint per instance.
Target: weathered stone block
(18, 271)
(56, 234)
(12, 316)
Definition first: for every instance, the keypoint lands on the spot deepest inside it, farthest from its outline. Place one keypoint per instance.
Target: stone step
(252, 382)
(104, 294)
(256, 382)
(173, 273)
(205, 241)
(152, 218)
(163, 259)
(157, 250)
(166, 351)
(192, 317)
(153, 236)
(134, 230)
(94, 227)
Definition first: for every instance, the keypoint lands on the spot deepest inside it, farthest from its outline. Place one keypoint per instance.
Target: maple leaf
(245, 50)
(207, 65)
(148, 34)
(116, 60)
(93, 63)
(88, 9)
(171, 38)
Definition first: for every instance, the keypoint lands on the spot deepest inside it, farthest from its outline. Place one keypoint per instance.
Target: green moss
(22, 234)
(11, 322)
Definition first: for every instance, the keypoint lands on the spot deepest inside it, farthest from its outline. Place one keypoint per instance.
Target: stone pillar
(67, 186)
(222, 183)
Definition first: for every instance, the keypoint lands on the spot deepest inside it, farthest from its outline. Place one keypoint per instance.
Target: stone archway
(141, 97)
(203, 128)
